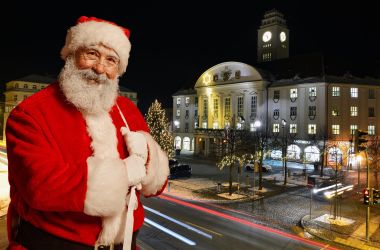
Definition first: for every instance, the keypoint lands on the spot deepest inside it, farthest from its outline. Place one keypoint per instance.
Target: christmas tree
(159, 128)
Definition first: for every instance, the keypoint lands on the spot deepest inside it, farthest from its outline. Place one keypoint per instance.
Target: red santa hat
(92, 31)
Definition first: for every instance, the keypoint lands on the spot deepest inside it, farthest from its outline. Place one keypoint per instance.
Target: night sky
(174, 42)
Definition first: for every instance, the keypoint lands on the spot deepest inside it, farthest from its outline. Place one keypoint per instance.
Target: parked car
(250, 167)
(180, 170)
(173, 162)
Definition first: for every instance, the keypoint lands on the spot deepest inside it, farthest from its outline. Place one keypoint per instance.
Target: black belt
(36, 239)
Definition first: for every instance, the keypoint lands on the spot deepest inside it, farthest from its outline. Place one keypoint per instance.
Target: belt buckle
(102, 247)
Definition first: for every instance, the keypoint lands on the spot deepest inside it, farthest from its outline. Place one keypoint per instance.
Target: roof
(185, 92)
(320, 65)
(38, 78)
(124, 89)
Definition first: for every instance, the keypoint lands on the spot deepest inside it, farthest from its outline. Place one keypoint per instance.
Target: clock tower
(272, 37)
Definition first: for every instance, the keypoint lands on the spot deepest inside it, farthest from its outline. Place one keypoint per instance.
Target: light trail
(317, 190)
(170, 232)
(178, 222)
(247, 223)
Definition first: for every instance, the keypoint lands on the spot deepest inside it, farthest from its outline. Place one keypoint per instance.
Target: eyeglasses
(95, 57)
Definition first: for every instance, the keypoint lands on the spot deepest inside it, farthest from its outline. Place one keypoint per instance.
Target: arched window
(334, 156)
(312, 154)
(294, 152)
(186, 143)
(276, 154)
(177, 142)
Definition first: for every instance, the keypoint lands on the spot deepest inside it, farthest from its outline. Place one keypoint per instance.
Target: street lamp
(284, 149)
(256, 126)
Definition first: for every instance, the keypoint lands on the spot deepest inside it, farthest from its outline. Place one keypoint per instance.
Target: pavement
(347, 230)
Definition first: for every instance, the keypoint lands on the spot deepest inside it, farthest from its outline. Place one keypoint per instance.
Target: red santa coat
(48, 146)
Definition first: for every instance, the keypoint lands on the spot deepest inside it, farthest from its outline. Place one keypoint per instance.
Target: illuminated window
(335, 129)
(371, 112)
(335, 91)
(293, 128)
(178, 113)
(216, 107)
(313, 92)
(227, 105)
(335, 111)
(293, 94)
(276, 128)
(354, 111)
(240, 107)
(371, 129)
(187, 101)
(204, 124)
(178, 101)
(312, 129)
(205, 108)
(354, 92)
(353, 128)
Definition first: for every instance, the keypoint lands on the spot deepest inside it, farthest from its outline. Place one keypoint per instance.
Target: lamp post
(284, 149)
(256, 126)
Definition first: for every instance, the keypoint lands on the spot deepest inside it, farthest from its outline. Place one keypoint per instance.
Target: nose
(99, 67)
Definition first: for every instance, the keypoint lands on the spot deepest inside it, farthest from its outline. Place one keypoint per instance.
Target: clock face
(282, 36)
(267, 36)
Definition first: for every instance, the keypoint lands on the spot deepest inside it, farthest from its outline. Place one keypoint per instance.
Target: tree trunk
(230, 181)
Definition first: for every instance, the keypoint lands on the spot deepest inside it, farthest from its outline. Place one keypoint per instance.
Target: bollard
(218, 188)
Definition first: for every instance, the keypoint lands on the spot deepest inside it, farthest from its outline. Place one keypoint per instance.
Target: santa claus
(73, 159)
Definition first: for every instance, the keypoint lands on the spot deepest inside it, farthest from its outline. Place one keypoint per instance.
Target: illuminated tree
(159, 127)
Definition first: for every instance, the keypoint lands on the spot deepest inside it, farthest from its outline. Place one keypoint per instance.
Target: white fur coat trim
(157, 168)
(107, 183)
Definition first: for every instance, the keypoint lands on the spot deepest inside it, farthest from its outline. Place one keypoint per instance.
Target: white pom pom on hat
(93, 31)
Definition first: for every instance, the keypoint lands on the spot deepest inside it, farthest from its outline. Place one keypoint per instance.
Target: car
(250, 167)
(173, 162)
(180, 170)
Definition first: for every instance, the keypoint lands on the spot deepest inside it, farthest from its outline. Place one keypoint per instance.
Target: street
(199, 227)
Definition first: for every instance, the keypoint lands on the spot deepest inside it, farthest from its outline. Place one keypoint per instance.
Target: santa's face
(91, 84)
(100, 59)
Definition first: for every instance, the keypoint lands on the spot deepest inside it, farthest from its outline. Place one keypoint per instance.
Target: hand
(136, 143)
(136, 170)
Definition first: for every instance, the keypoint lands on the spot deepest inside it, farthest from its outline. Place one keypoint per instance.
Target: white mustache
(89, 74)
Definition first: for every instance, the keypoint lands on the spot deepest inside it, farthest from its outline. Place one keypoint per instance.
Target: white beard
(87, 97)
